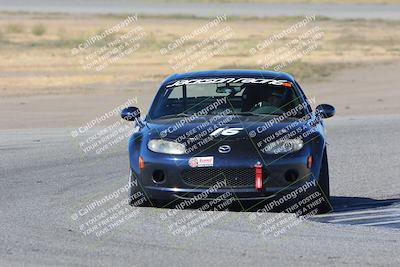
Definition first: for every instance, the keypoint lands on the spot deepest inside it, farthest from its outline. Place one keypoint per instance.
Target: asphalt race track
(45, 178)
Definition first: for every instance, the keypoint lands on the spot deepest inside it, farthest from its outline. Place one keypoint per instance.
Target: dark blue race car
(249, 132)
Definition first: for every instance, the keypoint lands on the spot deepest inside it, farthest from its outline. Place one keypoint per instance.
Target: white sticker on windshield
(228, 80)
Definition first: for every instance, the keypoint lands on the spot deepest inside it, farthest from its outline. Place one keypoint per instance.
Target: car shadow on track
(341, 204)
(337, 204)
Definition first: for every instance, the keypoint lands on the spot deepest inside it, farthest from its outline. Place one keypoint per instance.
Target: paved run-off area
(45, 178)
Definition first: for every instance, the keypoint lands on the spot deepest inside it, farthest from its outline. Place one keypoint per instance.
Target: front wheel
(323, 184)
(137, 196)
(323, 180)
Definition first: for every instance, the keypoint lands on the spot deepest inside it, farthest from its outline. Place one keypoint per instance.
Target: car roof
(230, 73)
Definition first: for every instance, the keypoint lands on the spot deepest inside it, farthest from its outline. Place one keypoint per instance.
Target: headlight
(167, 147)
(283, 146)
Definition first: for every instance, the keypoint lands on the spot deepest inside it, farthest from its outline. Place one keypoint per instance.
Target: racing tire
(135, 192)
(323, 184)
(323, 180)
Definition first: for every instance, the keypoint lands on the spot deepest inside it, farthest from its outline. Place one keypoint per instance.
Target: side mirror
(326, 110)
(130, 113)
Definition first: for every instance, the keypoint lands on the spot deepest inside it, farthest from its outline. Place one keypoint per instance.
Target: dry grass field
(35, 49)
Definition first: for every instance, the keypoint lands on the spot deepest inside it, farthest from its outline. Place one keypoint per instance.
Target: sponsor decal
(230, 80)
(226, 131)
(201, 162)
(193, 162)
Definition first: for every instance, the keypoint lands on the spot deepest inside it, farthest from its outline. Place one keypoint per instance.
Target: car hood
(253, 126)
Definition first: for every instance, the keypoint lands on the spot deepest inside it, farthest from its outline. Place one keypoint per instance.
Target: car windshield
(247, 99)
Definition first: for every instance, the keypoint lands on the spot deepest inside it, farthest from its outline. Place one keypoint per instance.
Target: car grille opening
(207, 177)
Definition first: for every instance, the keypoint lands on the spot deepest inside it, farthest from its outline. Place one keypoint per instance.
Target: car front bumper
(222, 178)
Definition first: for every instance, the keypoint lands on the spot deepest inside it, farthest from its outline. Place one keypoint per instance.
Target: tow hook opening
(291, 175)
(158, 176)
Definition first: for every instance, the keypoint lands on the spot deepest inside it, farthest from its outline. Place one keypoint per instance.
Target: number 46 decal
(226, 131)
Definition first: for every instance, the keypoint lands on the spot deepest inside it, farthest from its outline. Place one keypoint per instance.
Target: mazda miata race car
(248, 132)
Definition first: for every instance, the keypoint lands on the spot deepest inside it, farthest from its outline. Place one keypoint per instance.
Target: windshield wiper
(249, 113)
(174, 116)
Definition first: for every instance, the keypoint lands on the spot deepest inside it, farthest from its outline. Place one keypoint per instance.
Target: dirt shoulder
(43, 84)
(363, 91)
(367, 90)
(36, 50)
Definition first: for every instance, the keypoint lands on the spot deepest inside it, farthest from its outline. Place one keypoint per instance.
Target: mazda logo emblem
(224, 149)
